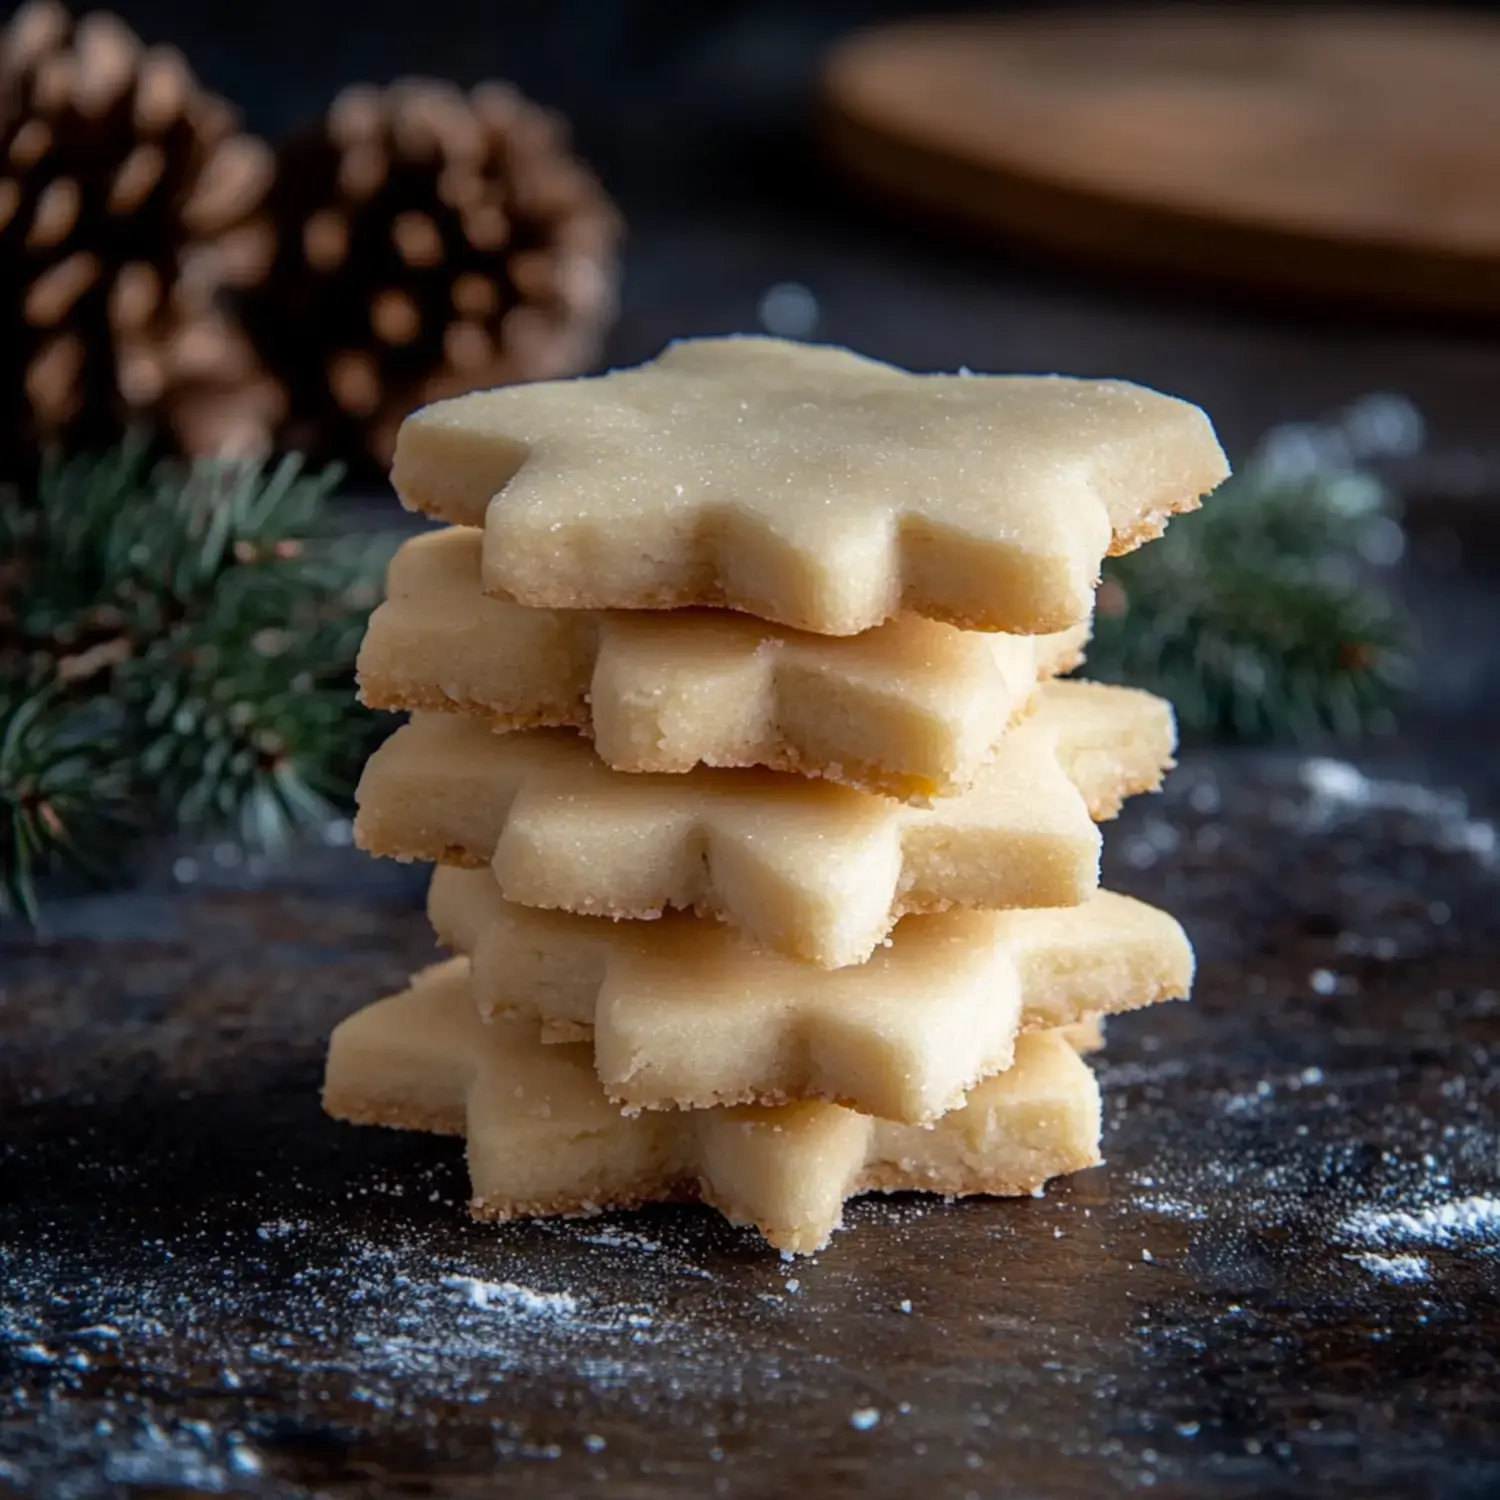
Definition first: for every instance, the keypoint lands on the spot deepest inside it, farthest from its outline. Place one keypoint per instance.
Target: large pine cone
(125, 192)
(428, 242)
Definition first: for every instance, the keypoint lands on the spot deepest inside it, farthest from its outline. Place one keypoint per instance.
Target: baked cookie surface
(803, 867)
(543, 1139)
(683, 1015)
(912, 708)
(809, 485)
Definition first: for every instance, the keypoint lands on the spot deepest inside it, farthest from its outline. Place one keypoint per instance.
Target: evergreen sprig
(177, 642)
(1263, 615)
(176, 649)
(64, 789)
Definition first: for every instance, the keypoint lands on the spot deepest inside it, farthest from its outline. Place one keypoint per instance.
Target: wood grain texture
(205, 1283)
(1344, 155)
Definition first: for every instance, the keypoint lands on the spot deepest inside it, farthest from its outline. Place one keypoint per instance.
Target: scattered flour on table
(394, 1317)
(506, 1296)
(390, 1324)
(1398, 1268)
(279, 1229)
(615, 1239)
(1444, 1226)
(1338, 791)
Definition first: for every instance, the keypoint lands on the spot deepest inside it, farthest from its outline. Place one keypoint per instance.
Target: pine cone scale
(420, 240)
(427, 241)
(122, 173)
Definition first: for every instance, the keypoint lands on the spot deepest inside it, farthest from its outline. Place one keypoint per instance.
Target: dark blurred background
(700, 118)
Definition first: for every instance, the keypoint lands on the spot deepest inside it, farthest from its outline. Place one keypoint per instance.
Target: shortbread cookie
(543, 1139)
(810, 486)
(817, 871)
(684, 1016)
(1085, 1036)
(912, 709)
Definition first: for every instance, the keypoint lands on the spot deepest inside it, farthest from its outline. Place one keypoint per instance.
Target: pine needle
(1264, 616)
(177, 646)
(177, 642)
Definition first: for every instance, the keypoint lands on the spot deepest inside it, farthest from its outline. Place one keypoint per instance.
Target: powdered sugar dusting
(415, 1311)
(1397, 1268)
(382, 1323)
(1339, 791)
(1461, 1221)
(506, 1296)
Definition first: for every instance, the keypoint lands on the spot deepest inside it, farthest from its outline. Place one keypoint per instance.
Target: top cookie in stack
(855, 744)
(809, 486)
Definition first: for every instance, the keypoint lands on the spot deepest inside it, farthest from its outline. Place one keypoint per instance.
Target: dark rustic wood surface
(209, 1285)
(204, 1284)
(1346, 154)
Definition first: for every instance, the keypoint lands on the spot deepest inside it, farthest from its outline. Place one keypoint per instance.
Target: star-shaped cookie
(816, 871)
(544, 1140)
(912, 709)
(684, 1016)
(809, 486)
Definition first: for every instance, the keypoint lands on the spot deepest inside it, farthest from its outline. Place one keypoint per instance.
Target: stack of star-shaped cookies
(765, 830)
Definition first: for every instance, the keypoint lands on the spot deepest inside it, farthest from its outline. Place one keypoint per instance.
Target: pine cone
(428, 242)
(125, 195)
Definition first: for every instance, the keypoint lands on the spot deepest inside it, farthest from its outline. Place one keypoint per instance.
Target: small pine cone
(125, 196)
(428, 242)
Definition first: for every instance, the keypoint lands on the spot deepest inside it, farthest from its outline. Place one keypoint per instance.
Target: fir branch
(64, 785)
(1263, 616)
(177, 643)
(184, 635)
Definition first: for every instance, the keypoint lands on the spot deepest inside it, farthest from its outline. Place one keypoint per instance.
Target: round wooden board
(1343, 154)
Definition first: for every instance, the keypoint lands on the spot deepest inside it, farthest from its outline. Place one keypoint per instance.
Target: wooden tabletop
(1343, 153)
(1284, 1280)
(207, 1285)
